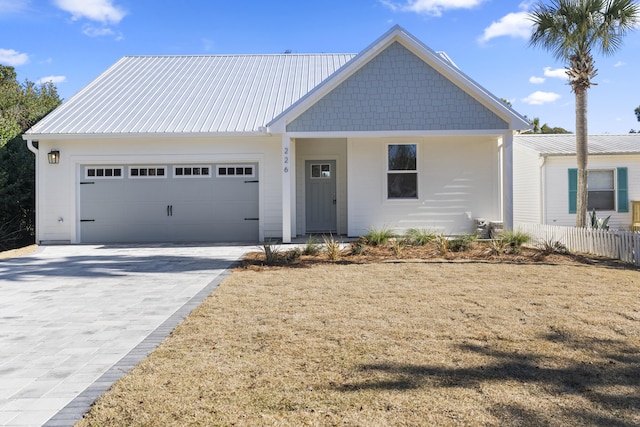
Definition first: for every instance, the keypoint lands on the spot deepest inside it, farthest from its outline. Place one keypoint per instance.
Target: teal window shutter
(573, 191)
(623, 193)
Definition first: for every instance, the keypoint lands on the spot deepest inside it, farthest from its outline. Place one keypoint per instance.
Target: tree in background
(21, 106)
(570, 29)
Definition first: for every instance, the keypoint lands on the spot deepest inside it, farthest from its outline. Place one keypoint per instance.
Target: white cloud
(12, 57)
(536, 80)
(95, 10)
(539, 98)
(619, 64)
(92, 31)
(514, 24)
(430, 7)
(52, 79)
(558, 73)
(13, 6)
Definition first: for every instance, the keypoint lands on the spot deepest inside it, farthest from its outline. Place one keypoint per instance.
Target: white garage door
(169, 203)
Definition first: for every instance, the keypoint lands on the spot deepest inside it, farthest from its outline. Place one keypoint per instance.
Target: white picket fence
(614, 244)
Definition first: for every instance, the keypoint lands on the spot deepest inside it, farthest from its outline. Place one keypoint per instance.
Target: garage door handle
(249, 182)
(252, 219)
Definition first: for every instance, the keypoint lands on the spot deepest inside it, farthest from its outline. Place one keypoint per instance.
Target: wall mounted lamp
(54, 157)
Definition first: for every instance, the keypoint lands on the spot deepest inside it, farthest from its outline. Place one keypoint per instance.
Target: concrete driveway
(73, 319)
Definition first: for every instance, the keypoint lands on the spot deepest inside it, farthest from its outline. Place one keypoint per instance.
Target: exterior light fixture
(54, 157)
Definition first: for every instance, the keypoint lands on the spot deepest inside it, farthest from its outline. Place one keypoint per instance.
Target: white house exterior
(545, 181)
(254, 147)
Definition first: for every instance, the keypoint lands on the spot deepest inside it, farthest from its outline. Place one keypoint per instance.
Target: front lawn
(408, 342)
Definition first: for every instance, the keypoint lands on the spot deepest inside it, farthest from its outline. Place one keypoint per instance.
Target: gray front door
(320, 194)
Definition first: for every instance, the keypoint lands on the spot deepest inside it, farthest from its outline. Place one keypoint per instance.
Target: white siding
(526, 185)
(321, 149)
(556, 188)
(458, 180)
(58, 186)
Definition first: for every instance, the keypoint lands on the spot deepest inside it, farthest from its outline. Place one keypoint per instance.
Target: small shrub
(461, 243)
(551, 246)
(379, 237)
(359, 246)
(292, 254)
(332, 248)
(271, 253)
(312, 247)
(598, 223)
(419, 237)
(516, 238)
(442, 243)
(498, 246)
(397, 246)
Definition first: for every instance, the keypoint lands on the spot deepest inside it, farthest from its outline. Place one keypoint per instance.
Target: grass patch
(444, 343)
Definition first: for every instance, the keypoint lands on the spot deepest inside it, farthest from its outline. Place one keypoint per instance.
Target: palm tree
(570, 29)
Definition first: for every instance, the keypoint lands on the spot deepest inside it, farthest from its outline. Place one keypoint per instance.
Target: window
(103, 172)
(231, 171)
(192, 171)
(321, 171)
(147, 172)
(607, 190)
(601, 190)
(402, 172)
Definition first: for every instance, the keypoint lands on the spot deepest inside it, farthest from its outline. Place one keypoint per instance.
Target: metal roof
(190, 94)
(565, 144)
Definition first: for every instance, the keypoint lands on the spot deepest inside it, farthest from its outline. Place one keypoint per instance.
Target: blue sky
(72, 41)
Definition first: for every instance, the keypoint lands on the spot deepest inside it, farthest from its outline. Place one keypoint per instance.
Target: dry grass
(14, 253)
(398, 343)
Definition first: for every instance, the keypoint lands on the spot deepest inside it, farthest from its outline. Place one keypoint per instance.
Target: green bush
(461, 243)
(312, 247)
(379, 237)
(419, 237)
(359, 246)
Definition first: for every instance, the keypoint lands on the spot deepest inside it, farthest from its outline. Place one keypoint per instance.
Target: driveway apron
(73, 319)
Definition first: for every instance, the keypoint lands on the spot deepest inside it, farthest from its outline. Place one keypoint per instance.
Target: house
(545, 178)
(255, 147)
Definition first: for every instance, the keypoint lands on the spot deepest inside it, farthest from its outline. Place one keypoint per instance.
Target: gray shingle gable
(396, 91)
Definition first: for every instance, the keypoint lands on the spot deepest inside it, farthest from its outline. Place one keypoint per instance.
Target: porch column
(286, 188)
(507, 180)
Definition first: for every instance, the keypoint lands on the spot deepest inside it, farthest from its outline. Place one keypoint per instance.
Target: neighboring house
(545, 178)
(254, 147)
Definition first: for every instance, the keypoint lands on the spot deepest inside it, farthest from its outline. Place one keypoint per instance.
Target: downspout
(35, 151)
(543, 183)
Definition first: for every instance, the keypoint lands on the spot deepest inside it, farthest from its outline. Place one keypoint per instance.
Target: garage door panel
(169, 208)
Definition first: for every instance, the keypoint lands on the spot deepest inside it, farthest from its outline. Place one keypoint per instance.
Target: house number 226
(285, 159)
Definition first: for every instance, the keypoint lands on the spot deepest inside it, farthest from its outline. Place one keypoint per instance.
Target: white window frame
(401, 171)
(614, 189)
(320, 164)
(252, 166)
(207, 175)
(156, 167)
(86, 172)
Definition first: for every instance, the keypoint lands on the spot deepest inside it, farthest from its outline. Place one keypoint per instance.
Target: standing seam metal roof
(565, 144)
(190, 94)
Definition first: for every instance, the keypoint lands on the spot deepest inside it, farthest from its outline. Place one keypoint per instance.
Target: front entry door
(320, 187)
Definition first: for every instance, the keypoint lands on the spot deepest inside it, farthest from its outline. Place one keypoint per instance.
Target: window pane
(160, 171)
(100, 172)
(108, 172)
(315, 171)
(178, 171)
(117, 172)
(134, 172)
(205, 171)
(601, 201)
(600, 180)
(248, 171)
(91, 172)
(402, 185)
(402, 157)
